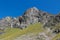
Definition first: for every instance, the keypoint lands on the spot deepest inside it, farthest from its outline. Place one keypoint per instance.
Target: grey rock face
(31, 15)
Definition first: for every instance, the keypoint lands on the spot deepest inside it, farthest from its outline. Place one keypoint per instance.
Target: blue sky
(16, 8)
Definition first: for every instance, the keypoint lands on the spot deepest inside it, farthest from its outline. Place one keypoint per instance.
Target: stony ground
(40, 36)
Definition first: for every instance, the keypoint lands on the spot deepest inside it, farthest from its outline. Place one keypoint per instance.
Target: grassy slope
(14, 32)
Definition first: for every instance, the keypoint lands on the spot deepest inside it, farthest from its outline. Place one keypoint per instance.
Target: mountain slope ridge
(34, 17)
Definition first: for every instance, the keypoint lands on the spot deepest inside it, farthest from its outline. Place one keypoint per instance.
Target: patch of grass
(12, 33)
(56, 37)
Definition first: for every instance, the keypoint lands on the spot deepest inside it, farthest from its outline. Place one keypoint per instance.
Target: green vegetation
(56, 37)
(12, 33)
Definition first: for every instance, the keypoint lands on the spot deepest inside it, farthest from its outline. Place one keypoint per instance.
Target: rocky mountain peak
(34, 8)
(32, 11)
(31, 16)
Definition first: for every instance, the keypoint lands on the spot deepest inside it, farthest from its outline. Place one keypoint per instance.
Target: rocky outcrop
(31, 16)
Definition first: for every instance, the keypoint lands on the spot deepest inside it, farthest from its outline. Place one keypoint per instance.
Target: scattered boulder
(56, 31)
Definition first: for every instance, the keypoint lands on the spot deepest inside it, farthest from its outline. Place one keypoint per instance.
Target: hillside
(33, 32)
(14, 32)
